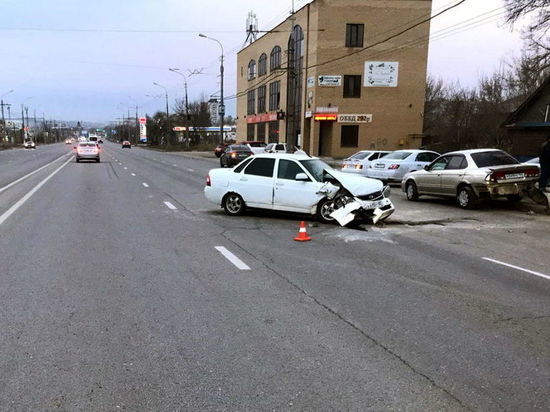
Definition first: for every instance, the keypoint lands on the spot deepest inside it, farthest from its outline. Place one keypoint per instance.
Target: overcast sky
(93, 74)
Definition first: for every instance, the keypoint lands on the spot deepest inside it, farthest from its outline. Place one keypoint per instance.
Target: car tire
(233, 204)
(411, 191)
(324, 209)
(98, 160)
(221, 162)
(466, 198)
(77, 160)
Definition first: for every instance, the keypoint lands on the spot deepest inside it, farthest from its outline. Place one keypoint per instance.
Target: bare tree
(538, 11)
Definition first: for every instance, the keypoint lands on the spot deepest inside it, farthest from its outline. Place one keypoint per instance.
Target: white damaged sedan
(301, 184)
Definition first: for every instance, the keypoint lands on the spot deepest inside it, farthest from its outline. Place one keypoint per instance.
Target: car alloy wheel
(324, 210)
(466, 198)
(412, 191)
(234, 204)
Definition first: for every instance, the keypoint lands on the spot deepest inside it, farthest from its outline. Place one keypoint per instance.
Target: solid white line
(145, 184)
(133, 174)
(498, 262)
(232, 258)
(170, 206)
(31, 173)
(22, 201)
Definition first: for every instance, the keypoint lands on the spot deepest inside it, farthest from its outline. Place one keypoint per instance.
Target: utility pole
(23, 134)
(169, 131)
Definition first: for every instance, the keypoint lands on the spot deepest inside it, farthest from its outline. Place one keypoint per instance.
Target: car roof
(288, 156)
(471, 151)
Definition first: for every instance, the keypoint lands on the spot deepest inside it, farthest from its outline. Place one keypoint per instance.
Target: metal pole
(222, 106)
(23, 122)
(167, 121)
(2, 105)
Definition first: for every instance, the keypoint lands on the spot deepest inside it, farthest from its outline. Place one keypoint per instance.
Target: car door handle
(279, 184)
(244, 179)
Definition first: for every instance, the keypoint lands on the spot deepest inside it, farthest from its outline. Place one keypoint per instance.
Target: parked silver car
(472, 175)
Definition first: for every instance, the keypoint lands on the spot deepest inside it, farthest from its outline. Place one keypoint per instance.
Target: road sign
(142, 120)
(221, 109)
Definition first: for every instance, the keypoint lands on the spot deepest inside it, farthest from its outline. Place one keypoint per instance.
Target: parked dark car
(218, 151)
(127, 144)
(234, 154)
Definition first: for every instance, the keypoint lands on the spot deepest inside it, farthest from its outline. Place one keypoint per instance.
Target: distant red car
(219, 149)
(127, 144)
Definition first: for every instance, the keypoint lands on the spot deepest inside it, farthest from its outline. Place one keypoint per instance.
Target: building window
(350, 136)
(273, 132)
(262, 65)
(352, 86)
(354, 35)
(275, 61)
(252, 69)
(275, 96)
(260, 135)
(250, 131)
(251, 102)
(261, 99)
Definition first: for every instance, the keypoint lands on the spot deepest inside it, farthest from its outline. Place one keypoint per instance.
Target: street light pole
(221, 109)
(174, 70)
(2, 104)
(167, 112)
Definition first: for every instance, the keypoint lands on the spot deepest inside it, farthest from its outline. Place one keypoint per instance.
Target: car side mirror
(301, 177)
(427, 167)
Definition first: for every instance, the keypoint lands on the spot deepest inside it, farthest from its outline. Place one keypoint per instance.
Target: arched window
(262, 65)
(275, 62)
(252, 69)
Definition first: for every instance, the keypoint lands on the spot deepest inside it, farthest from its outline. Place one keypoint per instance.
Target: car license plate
(515, 176)
(379, 165)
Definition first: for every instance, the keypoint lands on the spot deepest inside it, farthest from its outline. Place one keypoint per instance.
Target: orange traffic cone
(302, 234)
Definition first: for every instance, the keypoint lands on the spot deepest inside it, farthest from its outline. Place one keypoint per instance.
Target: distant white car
(255, 147)
(29, 144)
(297, 183)
(360, 161)
(276, 148)
(393, 167)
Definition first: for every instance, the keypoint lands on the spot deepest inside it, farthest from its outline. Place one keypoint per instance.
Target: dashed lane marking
(145, 184)
(170, 206)
(125, 168)
(532, 272)
(191, 170)
(133, 174)
(232, 258)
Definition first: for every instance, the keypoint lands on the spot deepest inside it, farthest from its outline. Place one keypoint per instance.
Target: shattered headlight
(386, 192)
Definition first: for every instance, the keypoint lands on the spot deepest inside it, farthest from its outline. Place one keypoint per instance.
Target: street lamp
(221, 109)
(175, 70)
(167, 113)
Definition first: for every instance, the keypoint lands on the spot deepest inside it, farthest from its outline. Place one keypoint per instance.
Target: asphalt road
(116, 295)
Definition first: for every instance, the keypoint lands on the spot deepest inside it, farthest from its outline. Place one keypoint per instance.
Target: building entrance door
(325, 138)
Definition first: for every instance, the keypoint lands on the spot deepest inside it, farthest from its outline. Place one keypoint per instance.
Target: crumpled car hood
(357, 185)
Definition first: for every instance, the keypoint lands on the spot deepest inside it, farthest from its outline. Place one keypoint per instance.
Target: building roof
(511, 120)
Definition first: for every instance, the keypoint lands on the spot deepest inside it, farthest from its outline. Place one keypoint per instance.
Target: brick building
(310, 80)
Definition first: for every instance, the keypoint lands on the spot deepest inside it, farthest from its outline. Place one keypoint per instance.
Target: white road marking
(232, 258)
(191, 170)
(145, 184)
(170, 206)
(22, 201)
(532, 272)
(175, 165)
(125, 168)
(133, 174)
(31, 173)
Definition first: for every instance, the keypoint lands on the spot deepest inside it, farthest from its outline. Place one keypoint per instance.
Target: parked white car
(255, 147)
(298, 183)
(360, 161)
(393, 167)
(276, 148)
(29, 144)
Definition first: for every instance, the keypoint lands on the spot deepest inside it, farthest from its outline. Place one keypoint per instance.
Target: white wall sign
(310, 82)
(355, 118)
(331, 109)
(333, 81)
(381, 74)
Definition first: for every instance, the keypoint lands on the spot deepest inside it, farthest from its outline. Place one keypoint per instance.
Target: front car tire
(324, 208)
(233, 204)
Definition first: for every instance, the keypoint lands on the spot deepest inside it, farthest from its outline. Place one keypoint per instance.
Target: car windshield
(360, 155)
(257, 144)
(493, 158)
(238, 148)
(87, 144)
(400, 155)
(316, 167)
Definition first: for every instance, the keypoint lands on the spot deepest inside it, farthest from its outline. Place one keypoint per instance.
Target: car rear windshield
(257, 144)
(87, 144)
(360, 155)
(316, 167)
(398, 155)
(493, 158)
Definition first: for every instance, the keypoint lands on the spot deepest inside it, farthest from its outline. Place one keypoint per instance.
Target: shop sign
(310, 82)
(381, 74)
(325, 117)
(262, 118)
(332, 81)
(354, 118)
(332, 109)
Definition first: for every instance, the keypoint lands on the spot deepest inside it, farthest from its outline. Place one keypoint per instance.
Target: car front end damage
(354, 199)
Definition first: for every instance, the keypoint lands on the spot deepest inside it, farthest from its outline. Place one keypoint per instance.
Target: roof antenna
(251, 28)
